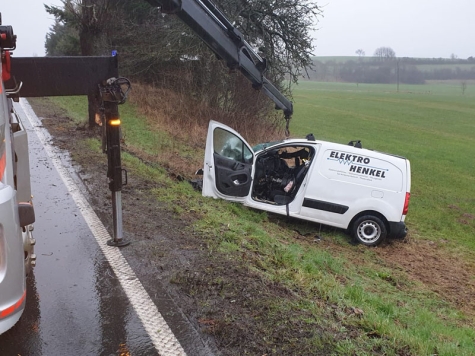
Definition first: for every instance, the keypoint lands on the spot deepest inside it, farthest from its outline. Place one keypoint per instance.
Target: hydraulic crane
(224, 39)
(86, 75)
(99, 77)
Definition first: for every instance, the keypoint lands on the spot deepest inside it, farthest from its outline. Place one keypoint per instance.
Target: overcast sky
(30, 23)
(412, 28)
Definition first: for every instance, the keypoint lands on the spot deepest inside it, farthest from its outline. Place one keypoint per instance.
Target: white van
(345, 186)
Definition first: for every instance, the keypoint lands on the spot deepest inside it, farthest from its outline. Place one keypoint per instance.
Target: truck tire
(29, 249)
(369, 230)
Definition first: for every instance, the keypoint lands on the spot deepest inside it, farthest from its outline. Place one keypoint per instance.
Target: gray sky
(30, 23)
(412, 28)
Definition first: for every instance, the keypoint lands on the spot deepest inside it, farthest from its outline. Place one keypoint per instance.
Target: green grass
(399, 311)
(433, 126)
(75, 106)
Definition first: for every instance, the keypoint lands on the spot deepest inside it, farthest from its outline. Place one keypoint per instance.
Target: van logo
(358, 164)
(346, 158)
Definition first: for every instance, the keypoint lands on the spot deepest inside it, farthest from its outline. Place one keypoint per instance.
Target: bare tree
(88, 17)
(280, 29)
(360, 53)
(161, 50)
(385, 53)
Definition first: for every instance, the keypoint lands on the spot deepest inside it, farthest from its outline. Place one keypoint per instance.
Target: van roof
(328, 144)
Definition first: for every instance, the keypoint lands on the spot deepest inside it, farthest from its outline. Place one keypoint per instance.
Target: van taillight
(406, 203)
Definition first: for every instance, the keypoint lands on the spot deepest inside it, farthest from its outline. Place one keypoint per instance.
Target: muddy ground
(227, 303)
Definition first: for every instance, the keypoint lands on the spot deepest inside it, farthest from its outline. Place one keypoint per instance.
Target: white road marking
(160, 333)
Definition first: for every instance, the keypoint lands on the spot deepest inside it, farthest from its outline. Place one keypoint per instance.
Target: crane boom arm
(212, 26)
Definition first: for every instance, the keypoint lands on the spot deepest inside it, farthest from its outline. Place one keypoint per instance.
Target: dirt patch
(428, 263)
(237, 306)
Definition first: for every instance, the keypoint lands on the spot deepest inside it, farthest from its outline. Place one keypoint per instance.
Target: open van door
(227, 170)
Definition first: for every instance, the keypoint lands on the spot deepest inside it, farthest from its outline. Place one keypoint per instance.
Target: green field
(432, 125)
(345, 299)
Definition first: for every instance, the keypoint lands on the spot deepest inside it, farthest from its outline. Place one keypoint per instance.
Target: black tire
(369, 230)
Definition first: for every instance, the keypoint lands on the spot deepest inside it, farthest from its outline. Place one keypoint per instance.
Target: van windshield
(263, 146)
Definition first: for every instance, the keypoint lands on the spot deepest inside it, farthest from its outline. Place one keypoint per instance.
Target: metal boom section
(212, 26)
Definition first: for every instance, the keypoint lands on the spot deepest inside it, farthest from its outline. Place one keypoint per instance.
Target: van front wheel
(369, 230)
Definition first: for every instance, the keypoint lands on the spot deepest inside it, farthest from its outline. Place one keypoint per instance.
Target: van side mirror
(26, 212)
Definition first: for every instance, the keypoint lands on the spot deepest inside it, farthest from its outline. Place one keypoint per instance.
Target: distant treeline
(390, 70)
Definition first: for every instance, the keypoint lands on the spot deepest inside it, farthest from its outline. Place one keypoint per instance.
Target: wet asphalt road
(75, 305)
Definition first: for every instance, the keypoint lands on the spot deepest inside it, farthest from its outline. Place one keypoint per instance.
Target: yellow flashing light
(114, 122)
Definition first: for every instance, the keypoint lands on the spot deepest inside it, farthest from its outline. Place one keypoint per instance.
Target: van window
(230, 146)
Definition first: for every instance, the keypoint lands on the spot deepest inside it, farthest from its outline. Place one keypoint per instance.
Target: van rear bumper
(397, 230)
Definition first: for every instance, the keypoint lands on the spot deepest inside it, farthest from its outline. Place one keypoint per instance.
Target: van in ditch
(346, 186)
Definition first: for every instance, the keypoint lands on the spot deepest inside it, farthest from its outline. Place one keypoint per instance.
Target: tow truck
(97, 77)
(16, 206)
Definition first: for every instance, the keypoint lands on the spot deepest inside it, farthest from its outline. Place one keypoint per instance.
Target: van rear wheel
(369, 230)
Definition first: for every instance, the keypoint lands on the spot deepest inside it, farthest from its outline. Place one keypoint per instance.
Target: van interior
(279, 173)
